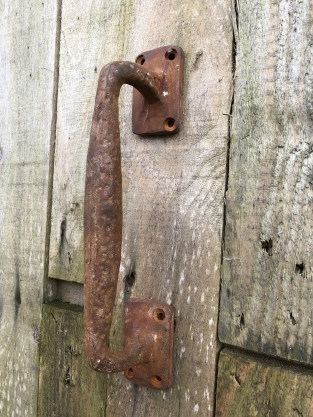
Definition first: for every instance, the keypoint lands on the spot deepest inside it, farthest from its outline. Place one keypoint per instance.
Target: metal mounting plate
(162, 118)
(153, 322)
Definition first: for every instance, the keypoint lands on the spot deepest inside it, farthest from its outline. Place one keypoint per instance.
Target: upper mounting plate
(162, 118)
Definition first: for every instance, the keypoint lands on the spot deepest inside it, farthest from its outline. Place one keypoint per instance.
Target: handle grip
(103, 216)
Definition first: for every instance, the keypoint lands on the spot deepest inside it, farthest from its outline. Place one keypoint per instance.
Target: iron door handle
(152, 334)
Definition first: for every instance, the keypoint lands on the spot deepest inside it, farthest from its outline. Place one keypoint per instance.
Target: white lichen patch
(187, 395)
(169, 298)
(206, 394)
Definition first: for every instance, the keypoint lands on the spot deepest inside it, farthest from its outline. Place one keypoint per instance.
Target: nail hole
(159, 314)
(68, 377)
(267, 245)
(140, 60)
(293, 320)
(169, 124)
(299, 269)
(156, 381)
(129, 373)
(170, 54)
(130, 280)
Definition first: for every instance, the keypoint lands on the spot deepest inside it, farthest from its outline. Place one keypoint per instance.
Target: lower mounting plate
(151, 320)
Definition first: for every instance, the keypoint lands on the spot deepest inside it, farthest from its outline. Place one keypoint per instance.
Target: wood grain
(81, 56)
(173, 188)
(267, 266)
(68, 386)
(248, 386)
(27, 59)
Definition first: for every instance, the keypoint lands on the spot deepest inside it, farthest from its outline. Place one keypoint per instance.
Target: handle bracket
(147, 353)
(153, 322)
(164, 117)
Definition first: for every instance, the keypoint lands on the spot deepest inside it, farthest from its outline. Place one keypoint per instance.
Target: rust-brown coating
(161, 118)
(103, 217)
(143, 318)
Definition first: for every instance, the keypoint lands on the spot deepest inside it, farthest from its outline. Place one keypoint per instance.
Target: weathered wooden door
(173, 199)
(245, 144)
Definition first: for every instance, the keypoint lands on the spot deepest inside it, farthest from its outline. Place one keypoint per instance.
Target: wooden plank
(82, 51)
(68, 386)
(267, 270)
(173, 187)
(27, 61)
(70, 292)
(249, 387)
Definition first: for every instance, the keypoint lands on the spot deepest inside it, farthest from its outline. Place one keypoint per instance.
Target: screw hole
(170, 54)
(156, 381)
(140, 60)
(169, 124)
(159, 314)
(129, 373)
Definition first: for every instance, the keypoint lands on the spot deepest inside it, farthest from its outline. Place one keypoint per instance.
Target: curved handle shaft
(103, 216)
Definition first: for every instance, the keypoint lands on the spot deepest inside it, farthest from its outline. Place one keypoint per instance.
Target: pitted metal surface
(149, 325)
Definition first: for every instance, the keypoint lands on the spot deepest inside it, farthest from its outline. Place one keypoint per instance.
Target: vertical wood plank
(173, 188)
(87, 27)
(27, 58)
(173, 197)
(249, 386)
(267, 270)
(68, 386)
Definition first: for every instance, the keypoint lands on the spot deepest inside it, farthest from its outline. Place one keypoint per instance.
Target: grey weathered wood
(67, 385)
(249, 386)
(70, 292)
(266, 302)
(82, 50)
(173, 187)
(27, 59)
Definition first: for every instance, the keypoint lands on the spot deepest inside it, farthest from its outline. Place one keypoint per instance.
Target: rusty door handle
(148, 339)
